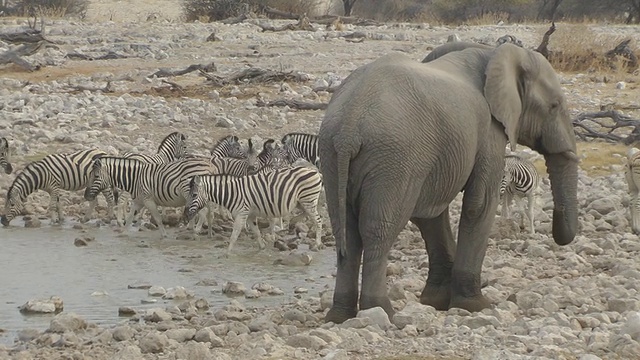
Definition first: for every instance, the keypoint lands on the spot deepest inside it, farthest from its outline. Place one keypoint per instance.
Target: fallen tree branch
(111, 55)
(255, 75)
(625, 51)
(279, 14)
(28, 36)
(173, 85)
(543, 47)
(606, 130)
(106, 89)
(293, 104)
(169, 73)
(16, 55)
(303, 24)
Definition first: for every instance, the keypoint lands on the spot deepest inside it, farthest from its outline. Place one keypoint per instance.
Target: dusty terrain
(580, 301)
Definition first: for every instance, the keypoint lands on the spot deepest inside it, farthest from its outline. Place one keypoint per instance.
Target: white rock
(377, 316)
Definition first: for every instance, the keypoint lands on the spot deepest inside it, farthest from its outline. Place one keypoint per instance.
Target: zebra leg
(153, 210)
(256, 231)
(506, 204)
(210, 215)
(54, 206)
(635, 214)
(238, 224)
(136, 205)
(311, 208)
(530, 202)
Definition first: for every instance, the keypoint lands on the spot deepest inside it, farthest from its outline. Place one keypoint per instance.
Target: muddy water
(39, 263)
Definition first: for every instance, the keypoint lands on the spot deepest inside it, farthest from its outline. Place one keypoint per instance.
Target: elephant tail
(344, 155)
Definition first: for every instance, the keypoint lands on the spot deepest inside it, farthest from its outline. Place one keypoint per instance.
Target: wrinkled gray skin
(400, 139)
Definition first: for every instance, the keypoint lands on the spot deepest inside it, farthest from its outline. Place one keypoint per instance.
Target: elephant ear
(504, 88)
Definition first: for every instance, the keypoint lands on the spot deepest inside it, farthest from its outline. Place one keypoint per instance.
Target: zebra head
(266, 157)
(195, 201)
(173, 146)
(4, 156)
(252, 158)
(97, 181)
(14, 202)
(228, 146)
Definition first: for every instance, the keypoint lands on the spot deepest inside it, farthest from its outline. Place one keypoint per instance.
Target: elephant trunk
(563, 173)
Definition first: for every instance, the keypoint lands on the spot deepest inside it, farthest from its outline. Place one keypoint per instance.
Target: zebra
(228, 146)
(520, 178)
(149, 184)
(632, 174)
(271, 194)
(171, 148)
(301, 145)
(53, 173)
(4, 156)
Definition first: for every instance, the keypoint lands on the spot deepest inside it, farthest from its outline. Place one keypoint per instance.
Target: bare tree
(348, 6)
(634, 11)
(548, 9)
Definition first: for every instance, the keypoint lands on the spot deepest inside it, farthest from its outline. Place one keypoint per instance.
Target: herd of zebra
(271, 183)
(248, 183)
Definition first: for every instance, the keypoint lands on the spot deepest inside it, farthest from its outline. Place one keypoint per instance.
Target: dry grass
(597, 157)
(577, 48)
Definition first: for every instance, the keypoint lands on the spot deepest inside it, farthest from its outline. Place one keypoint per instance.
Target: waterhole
(93, 280)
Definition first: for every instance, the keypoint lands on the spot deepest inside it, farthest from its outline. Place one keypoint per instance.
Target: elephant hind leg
(345, 296)
(382, 216)
(441, 248)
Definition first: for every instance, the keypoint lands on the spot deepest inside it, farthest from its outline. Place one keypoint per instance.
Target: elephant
(401, 138)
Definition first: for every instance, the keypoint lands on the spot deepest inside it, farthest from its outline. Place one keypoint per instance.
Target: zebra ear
(195, 182)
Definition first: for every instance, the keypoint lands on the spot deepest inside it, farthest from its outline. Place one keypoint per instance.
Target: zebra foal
(54, 173)
(149, 184)
(4, 156)
(632, 174)
(520, 178)
(271, 195)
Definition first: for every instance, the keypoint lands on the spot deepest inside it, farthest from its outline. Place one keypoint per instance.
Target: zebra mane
(295, 134)
(226, 139)
(170, 136)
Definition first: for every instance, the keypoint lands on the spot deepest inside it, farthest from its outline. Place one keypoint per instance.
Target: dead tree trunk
(600, 129)
(543, 47)
(16, 55)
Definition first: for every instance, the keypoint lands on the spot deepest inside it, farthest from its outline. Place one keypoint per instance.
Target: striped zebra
(4, 156)
(54, 173)
(171, 148)
(521, 179)
(149, 184)
(272, 194)
(228, 146)
(632, 174)
(301, 145)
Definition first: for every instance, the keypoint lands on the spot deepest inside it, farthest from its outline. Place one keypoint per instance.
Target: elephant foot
(436, 295)
(338, 315)
(368, 302)
(472, 304)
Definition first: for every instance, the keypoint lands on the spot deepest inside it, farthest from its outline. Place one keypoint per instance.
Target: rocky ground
(580, 301)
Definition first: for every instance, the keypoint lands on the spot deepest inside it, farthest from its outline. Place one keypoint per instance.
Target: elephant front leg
(478, 212)
(441, 249)
(345, 296)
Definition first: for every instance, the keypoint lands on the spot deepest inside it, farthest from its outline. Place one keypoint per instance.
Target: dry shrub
(50, 8)
(490, 18)
(399, 10)
(577, 48)
(214, 10)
